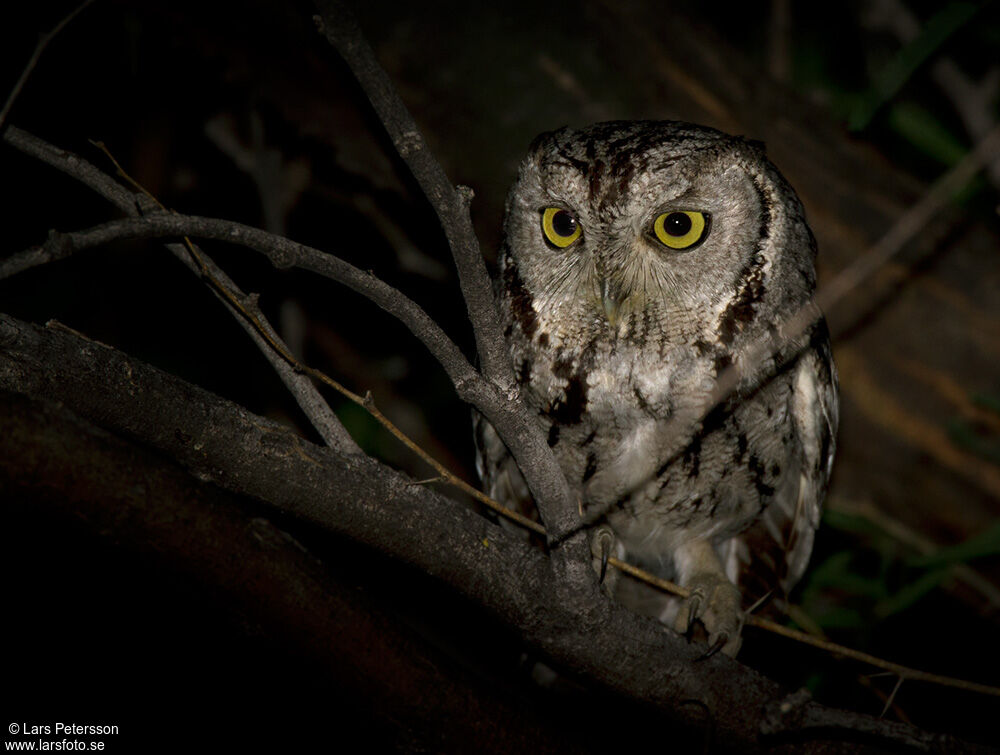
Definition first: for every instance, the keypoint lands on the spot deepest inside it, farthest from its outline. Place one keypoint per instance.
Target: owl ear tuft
(756, 145)
(544, 137)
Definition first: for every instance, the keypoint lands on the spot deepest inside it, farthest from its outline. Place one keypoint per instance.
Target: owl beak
(611, 298)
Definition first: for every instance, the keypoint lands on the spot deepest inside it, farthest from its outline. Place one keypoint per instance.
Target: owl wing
(775, 551)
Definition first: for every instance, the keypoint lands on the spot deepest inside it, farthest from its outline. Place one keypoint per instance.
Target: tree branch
(113, 492)
(362, 499)
(508, 417)
(469, 384)
(133, 204)
(36, 54)
(556, 505)
(339, 26)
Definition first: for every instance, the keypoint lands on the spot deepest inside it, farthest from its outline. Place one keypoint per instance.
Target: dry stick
(247, 311)
(302, 389)
(892, 697)
(554, 501)
(43, 42)
(833, 648)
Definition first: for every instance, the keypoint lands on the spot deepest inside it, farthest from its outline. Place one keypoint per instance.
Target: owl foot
(715, 603)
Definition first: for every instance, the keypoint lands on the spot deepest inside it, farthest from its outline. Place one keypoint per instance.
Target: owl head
(625, 227)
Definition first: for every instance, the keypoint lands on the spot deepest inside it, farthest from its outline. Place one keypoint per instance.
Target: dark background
(188, 96)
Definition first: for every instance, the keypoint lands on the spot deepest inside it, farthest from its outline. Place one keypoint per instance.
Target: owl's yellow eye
(560, 228)
(680, 229)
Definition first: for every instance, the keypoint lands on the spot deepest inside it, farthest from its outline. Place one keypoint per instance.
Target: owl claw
(688, 613)
(719, 644)
(600, 547)
(715, 603)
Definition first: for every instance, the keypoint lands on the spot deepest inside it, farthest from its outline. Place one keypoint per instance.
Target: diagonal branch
(906, 227)
(362, 499)
(36, 54)
(340, 27)
(508, 417)
(302, 389)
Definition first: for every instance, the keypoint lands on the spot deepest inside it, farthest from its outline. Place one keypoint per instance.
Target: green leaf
(987, 402)
(925, 131)
(910, 594)
(963, 435)
(984, 544)
(891, 79)
(842, 617)
(836, 572)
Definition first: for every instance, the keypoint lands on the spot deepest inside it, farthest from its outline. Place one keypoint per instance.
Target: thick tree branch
(149, 508)
(362, 499)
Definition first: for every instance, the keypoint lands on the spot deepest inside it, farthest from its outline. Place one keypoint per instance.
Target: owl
(641, 259)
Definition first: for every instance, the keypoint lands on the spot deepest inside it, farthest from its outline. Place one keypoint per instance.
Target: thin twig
(247, 312)
(892, 697)
(302, 389)
(43, 42)
(904, 672)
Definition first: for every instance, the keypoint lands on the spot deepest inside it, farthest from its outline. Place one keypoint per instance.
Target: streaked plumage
(614, 331)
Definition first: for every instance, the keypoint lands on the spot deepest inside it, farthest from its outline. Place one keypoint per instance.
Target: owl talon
(601, 544)
(719, 644)
(690, 611)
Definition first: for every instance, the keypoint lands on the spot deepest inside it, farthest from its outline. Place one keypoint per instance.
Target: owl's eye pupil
(677, 224)
(563, 223)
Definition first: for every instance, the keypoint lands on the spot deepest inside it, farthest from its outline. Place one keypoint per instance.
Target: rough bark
(362, 499)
